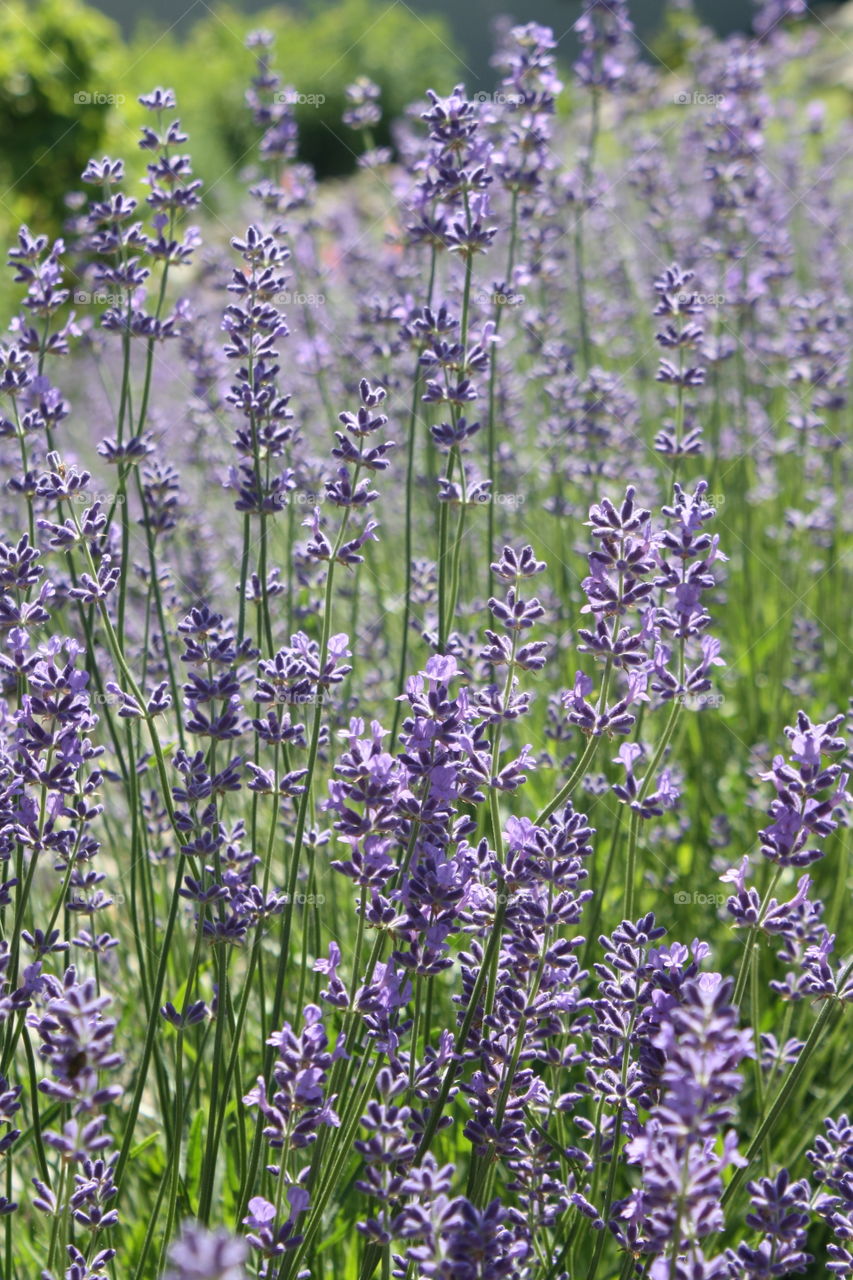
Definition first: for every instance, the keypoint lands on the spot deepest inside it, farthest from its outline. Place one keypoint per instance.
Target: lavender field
(425, 606)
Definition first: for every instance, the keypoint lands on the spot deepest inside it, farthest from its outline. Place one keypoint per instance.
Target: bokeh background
(469, 21)
(71, 72)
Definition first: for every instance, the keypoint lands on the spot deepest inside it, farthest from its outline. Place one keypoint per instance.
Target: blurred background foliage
(70, 77)
(69, 83)
(50, 54)
(318, 55)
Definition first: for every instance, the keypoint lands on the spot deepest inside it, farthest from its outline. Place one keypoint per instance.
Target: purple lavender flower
(780, 1212)
(199, 1254)
(604, 31)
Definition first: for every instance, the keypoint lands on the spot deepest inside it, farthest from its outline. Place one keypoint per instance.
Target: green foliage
(69, 87)
(58, 66)
(195, 1156)
(318, 54)
(677, 37)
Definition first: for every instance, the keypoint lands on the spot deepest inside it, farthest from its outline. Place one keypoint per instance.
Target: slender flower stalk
(326, 949)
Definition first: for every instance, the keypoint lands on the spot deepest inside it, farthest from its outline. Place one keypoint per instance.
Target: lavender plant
(361, 852)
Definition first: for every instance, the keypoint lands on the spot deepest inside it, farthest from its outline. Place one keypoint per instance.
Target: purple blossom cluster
(344, 839)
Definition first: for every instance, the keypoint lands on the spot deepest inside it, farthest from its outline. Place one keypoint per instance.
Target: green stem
(780, 1102)
(208, 1175)
(634, 825)
(585, 758)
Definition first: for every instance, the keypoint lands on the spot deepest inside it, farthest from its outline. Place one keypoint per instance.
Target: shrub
(58, 64)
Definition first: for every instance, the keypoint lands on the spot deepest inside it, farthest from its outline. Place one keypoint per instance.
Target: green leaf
(195, 1156)
(144, 1144)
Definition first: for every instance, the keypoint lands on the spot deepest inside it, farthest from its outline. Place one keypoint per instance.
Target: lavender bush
(425, 615)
